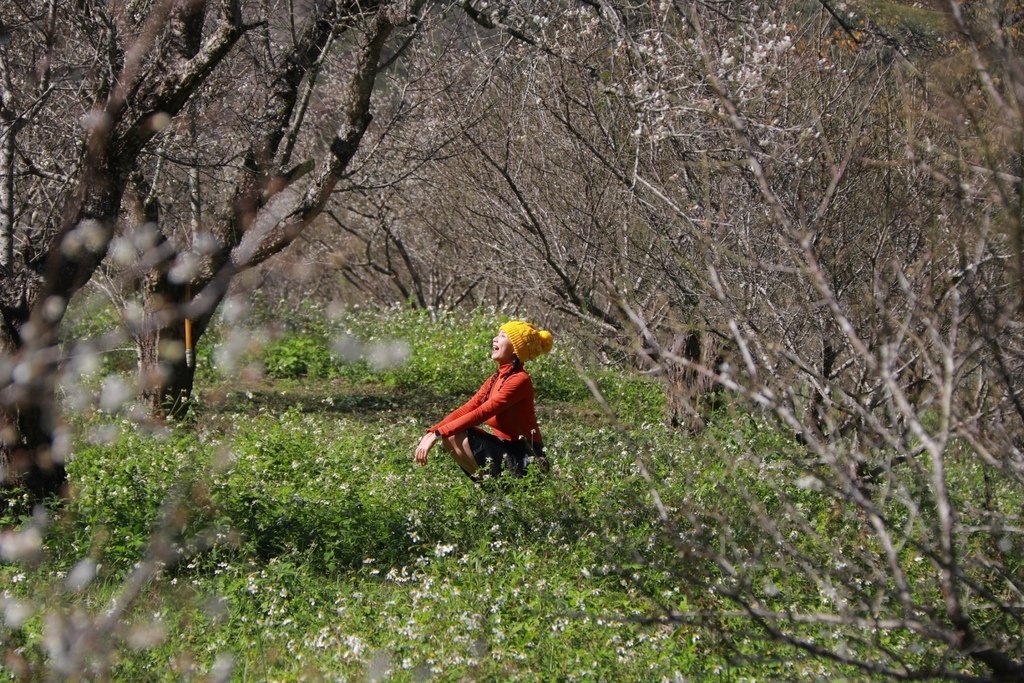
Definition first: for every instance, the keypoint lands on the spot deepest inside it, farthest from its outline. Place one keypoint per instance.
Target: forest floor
(283, 532)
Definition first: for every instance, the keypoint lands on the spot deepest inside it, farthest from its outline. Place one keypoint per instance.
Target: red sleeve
(510, 392)
(463, 409)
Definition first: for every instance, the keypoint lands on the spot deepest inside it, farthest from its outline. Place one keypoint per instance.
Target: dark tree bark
(35, 296)
(167, 370)
(27, 458)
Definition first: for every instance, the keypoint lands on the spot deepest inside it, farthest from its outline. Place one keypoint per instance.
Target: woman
(504, 403)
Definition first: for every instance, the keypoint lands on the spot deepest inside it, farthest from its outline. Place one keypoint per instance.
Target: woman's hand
(426, 443)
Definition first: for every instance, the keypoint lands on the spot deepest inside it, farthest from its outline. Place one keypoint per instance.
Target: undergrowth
(298, 540)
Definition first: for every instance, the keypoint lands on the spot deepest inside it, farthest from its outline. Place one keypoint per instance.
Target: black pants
(492, 454)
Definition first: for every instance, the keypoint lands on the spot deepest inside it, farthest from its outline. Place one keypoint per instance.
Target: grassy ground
(304, 543)
(316, 547)
(283, 533)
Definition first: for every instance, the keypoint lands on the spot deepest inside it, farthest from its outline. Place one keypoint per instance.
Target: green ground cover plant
(295, 539)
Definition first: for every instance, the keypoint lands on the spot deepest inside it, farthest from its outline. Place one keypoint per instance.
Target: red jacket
(504, 404)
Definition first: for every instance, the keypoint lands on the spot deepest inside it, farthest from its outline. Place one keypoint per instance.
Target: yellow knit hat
(527, 341)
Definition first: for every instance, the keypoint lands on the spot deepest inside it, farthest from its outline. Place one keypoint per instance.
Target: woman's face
(501, 349)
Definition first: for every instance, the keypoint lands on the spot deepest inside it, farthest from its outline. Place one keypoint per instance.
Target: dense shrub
(299, 355)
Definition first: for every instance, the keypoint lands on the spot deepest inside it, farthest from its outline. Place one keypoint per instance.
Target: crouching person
(505, 403)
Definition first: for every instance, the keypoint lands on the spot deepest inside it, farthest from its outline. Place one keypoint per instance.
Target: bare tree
(818, 214)
(857, 315)
(67, 69)
(128, 102)
(265, 207)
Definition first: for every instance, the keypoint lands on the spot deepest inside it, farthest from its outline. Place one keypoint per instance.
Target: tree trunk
(686, 387)
(30, 461)
(7, 225)
(8, 131)
(166, 368)
(166, 373)
(27, 425)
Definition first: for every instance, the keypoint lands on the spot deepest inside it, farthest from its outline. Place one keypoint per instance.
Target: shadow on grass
(337, 397)
(329, 538)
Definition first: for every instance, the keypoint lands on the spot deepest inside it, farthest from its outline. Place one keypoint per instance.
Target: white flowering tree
(859, 312)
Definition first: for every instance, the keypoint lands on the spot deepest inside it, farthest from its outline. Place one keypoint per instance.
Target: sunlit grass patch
(296, 539)
(335, 555)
